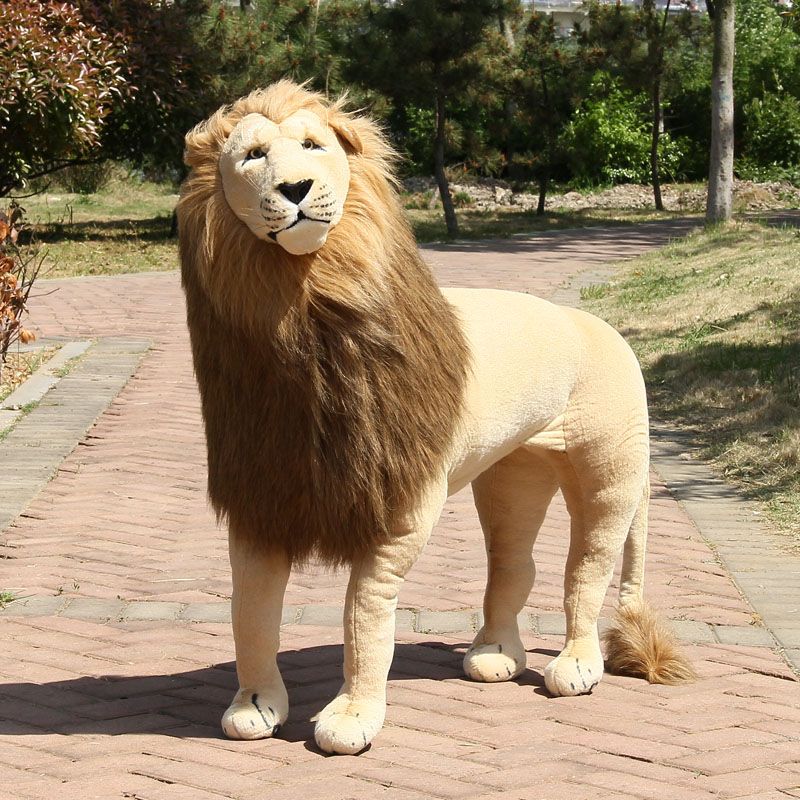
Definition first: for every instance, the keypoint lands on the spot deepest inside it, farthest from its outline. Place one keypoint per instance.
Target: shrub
(772, 130)
(86, 178)
(608, 138)
(60, 78)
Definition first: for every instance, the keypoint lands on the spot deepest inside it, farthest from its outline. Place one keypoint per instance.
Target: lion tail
(638, 642)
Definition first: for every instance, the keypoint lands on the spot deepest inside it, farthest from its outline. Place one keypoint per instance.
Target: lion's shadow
(189, 704)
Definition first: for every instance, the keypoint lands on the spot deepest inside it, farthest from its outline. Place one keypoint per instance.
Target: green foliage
(443, 48)
(61, 77)
(86, 178)
(548, 83)
(94, 79)
(608, 138)
(772, 130)
(767, 51)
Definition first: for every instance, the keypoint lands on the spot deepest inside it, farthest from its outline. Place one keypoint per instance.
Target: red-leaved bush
(58, 78)
(19, 267)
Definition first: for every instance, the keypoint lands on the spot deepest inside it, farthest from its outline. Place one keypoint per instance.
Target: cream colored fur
(555, 399)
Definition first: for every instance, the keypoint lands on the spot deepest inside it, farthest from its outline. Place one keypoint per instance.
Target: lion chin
(305, 236)
(345, 396)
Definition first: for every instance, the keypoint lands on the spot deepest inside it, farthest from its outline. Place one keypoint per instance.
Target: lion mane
(331, 383)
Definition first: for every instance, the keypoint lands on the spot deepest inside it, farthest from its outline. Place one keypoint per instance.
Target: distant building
(567, 14)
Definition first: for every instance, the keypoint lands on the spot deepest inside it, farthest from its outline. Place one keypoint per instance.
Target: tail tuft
(639, 644)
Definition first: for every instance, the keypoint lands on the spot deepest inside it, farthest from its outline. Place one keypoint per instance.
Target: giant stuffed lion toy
(345, 396)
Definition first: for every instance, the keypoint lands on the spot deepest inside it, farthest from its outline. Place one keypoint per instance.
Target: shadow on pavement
(189, 704)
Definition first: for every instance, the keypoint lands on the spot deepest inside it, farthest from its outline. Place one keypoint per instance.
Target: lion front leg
(261, 705)
(351, 721)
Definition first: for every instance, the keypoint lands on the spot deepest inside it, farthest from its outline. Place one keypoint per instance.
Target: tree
(61, 77)
(548, 84)
(424, 53)
(719, 205)
(638, 45)
(655, 29)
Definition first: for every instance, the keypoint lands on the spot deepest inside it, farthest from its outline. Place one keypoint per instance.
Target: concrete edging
(409, 620)
(34, 448)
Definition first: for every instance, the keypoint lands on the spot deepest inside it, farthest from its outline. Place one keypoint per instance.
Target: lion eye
(256, 152)
(310, 144)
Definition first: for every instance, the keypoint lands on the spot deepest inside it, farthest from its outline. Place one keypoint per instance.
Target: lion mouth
(301, 217)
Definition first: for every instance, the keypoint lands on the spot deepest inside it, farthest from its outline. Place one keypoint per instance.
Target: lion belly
(534, 366)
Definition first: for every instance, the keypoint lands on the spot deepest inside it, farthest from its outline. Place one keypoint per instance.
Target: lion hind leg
(601, 511)
(512, 498)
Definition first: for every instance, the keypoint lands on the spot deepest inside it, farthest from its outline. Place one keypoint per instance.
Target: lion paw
(254, 715)
(569, 675)
(346, 727)
(492, 663)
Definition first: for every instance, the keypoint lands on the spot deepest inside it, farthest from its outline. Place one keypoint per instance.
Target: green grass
(6, 598)
(715, 321)
(122, 228)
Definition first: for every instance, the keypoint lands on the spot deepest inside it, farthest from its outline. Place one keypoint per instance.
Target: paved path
(118, 664)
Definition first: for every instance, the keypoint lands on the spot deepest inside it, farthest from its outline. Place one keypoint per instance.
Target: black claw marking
(497, 674)
(269, 708)
(508, 671)
(583, 680)
(499, 648)
(572, 686)
(254, 701)
(276, 730)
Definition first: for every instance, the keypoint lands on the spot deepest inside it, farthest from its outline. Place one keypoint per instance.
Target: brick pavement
(118, 666)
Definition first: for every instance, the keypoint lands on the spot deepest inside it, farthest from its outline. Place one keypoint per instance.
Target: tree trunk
(720, 170)
(543, 181)
(655, 170)
(441, 178)
(657, 60)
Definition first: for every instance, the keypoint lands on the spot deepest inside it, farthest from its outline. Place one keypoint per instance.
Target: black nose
(295, 192)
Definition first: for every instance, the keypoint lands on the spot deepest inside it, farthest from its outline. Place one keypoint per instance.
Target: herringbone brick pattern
(95, 709)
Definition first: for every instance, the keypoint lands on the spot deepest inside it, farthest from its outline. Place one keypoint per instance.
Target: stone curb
(409, 620)
(758, 560)
(40, 382)
(34, 448)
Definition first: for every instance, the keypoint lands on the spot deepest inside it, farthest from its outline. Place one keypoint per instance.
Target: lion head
(288, 180)
(283, 182)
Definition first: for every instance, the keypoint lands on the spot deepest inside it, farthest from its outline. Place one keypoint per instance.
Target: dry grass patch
(19, 367)
(715, 321)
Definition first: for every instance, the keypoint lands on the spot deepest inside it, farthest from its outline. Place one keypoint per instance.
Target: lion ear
(346, 130)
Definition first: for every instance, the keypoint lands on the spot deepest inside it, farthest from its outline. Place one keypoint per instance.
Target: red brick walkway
(114, 709)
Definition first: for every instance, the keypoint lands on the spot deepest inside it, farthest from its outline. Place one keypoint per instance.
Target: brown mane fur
(331, 383)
